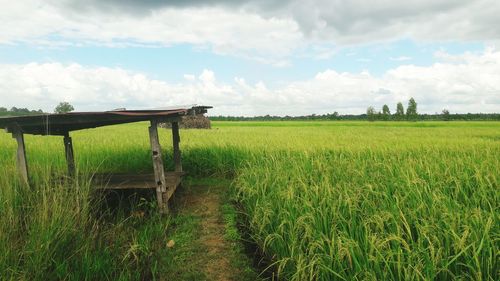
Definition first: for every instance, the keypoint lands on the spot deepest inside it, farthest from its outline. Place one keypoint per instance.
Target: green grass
(55, 232)
(324, 200)
(192, 254)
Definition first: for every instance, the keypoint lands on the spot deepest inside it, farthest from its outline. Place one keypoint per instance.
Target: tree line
(14, 111)
(371, 114)
(362, 117)
(411, 114)
(62, 107)
(385, 115)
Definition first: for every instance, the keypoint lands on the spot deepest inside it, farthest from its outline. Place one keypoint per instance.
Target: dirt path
(211, 255)
(206, 203)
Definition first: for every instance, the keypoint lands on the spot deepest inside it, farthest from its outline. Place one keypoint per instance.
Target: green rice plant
(325, 200)
(368, 215)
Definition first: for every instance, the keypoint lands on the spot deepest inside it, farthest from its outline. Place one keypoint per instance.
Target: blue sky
(247, 58)
(171, 63)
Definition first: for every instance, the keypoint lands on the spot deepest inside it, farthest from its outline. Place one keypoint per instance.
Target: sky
(247, 58)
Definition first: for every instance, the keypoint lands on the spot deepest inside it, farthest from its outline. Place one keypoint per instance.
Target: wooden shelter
(165, 182)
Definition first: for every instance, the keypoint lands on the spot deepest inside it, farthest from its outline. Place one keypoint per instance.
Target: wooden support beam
(70, 156)
(176, 139)
(22, 164)
(159, 171)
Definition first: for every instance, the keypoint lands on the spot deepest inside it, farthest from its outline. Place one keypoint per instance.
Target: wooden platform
(164, 182)
(131, 181)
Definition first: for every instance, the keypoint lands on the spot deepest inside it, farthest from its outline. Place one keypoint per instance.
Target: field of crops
(323, 200)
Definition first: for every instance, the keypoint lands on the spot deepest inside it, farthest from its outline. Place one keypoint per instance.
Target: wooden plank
(159, 171)
(70, 157)
(173, 183)
(125, 181)
(176, 139)
(135, 181)
(22, 164)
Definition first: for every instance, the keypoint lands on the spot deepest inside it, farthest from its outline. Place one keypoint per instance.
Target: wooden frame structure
(165, 182)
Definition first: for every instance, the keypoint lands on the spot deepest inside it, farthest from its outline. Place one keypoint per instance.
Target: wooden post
(176, 139)
(22, 164)
(161, 183)
(70, 156)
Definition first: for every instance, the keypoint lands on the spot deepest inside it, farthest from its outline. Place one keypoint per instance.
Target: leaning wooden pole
(22, 164)
(161, 183)
(70, 156)
(176, 139)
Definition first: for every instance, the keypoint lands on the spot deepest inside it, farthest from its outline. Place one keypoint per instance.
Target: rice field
(322, 200)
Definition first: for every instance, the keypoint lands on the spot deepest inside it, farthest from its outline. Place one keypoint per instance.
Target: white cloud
(468, 83)
(361, 21)
(189, 77)
(267, 40)
(44, 85)
(348, 22)
(265, 31)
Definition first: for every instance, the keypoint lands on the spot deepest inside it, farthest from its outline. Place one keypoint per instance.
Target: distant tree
(386, 113)
(63, 107)
(400, 111)
(371, 113)
(3, 109)
(426, 117)
(446, 115)
(411, 110)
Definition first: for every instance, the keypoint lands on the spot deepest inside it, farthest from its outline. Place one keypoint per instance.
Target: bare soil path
(203, 234)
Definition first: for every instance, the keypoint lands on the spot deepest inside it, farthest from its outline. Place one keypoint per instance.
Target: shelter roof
(61, 124)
